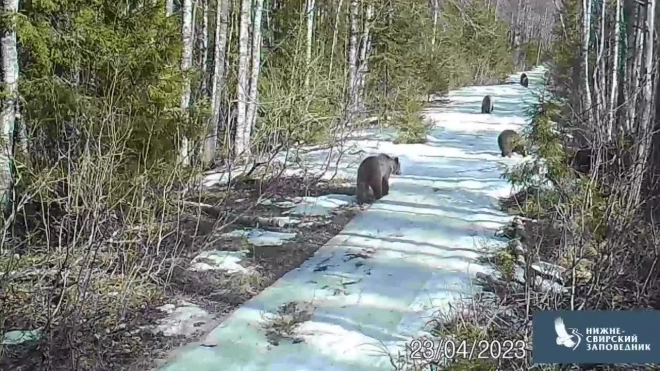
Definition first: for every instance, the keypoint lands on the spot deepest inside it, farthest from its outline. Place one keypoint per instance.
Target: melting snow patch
(258, 237)
(552, 270)
(332, 338)
(543, 284)
(237, 233)
(18, 337)
(319, 206)
(291, 221)
(267, 238)
(227, 261)
(220, 178)
(313, 223)
(281, 204)
(183, 320)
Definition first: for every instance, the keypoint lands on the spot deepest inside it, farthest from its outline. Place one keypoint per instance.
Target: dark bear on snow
(374, 172)
(524, 81)
(487, 104)
(616, 155)
(579, 159)
(511, 142)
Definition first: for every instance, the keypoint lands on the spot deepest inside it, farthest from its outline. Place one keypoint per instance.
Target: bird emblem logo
(571, 340)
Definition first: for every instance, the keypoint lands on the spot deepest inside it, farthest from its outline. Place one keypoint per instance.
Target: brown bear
(579, 159)
(511, 142)
(524, 81)
(487, 104)
(374, 172)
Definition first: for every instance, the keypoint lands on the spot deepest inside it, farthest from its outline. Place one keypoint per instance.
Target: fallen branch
(245, 220)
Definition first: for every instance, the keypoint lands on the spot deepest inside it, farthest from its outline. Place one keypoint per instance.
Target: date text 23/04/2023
(430, 350)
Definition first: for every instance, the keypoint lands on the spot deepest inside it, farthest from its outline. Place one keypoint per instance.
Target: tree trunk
(8, 114)
(516, 35)
(365, 47)
(268, 40)
(586, 27)
(169, 7)
(645, 125)
(204, 49)
(352, 59)
(253, 99)
(242, 142)
(310, 10)
(615, 71)
(217, 80)
(599, 85)
(647, 91)
(561, 19)
(334, 35)
(186, 63)
(436, 12)
(636, 41)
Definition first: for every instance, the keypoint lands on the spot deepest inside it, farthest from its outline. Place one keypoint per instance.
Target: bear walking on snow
(487, 104)
(511, 142)
(524, 81)
(374, 172)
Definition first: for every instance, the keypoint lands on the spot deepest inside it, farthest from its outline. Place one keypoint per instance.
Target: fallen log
(245, 220)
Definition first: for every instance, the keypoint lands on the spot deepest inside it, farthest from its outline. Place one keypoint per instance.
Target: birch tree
(435, 7)
(633, 64)
(255, 64)
(204, 48)
(310, 10)
(516, 31)
(648, 68)
(9, 101)
(169, 7)
(335, 33)
(186, 64)
(646, 101)
(616, 40)
(365, 46)
(217, 80)
(598, 76)
(353, 57)
(243, 127)
(586, 32)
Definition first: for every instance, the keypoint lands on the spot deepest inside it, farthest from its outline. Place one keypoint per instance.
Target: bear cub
(374, 172)
(487, 105)
(524, 80)
(511, 142)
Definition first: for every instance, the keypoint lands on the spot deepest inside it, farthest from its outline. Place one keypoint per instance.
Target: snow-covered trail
(376, 284)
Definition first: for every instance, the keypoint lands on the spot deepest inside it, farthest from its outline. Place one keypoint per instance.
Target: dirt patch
(221, 292)
(275, 261)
